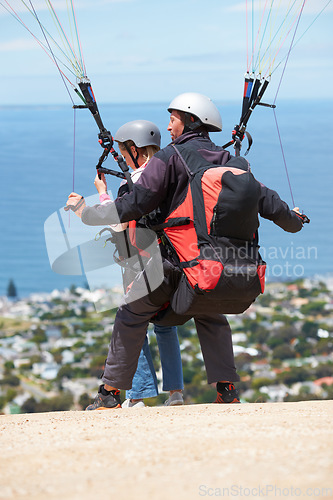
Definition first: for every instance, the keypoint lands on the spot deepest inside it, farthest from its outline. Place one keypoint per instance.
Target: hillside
(248, 450)
(53, 348)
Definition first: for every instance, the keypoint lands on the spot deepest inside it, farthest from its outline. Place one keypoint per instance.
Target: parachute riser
(91, 104)
(104, 137)
(253, 93)
(124, 174)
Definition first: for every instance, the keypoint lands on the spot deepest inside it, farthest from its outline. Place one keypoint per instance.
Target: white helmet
(200, 106)
(141, 132)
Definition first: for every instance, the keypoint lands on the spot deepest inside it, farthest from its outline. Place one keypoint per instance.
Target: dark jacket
(163, 185)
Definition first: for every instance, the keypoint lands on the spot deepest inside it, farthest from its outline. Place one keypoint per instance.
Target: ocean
(36, 165)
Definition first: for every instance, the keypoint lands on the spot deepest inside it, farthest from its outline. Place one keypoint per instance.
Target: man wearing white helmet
(191, 111)
(164, 185)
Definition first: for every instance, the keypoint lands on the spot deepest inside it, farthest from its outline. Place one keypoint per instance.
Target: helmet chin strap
(134, 160)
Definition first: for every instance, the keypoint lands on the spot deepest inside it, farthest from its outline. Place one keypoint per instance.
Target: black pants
(131, 325)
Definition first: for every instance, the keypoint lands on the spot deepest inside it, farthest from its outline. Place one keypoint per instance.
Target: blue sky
(152, 50)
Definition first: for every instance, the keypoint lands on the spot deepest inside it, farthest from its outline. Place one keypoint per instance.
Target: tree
(97, 366)
(313, 308)
(304, 348)
(257, 333)
(66, 371)
(39, 336)
(62, 402)
(73, 290)
(323, 370)
(261, 382)
(29, 406)
(310, 329)
(10, 379)
(258, 397)
(11, 394)
(11, 290)
(243, 361)
(283, 351)
(8, 365)
(293, 375)
(84, 400)
(2, 402)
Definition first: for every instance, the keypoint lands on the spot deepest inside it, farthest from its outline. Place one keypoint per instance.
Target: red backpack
(213, 236)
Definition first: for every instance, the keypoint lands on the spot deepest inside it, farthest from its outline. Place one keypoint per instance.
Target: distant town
(53, 348)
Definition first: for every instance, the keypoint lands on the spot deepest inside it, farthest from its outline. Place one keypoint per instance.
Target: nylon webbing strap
(197, 171)
(174, 221)
(187, 168)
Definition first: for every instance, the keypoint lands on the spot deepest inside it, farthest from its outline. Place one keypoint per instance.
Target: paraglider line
(291, 45)
(54, 58)
(284, 158)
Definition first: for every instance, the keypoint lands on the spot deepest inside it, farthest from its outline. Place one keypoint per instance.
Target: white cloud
(58, 5)
(153, 61)
(313, 7)
(39, 5)
(18, 45)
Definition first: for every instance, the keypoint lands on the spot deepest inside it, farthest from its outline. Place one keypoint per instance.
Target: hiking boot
(105, 400)
(175, 399)
(129, 404)
(226, 393)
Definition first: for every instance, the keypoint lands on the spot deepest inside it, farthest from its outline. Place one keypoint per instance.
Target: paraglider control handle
(103, 170)
(76, 207)
(105, 139)
(305, 219)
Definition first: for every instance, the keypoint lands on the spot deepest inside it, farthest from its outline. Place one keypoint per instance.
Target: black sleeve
(271, 207)
(146, 195)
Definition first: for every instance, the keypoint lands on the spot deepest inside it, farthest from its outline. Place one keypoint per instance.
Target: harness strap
(197, 195)
(190, 263)
(172, 222)
(187, 168)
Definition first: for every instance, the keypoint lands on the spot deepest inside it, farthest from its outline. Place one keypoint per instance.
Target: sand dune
(232, 451)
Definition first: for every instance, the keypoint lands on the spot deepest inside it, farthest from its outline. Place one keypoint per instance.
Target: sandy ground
(233, 451)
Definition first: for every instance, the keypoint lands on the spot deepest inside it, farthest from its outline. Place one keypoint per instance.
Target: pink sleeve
(104, 197)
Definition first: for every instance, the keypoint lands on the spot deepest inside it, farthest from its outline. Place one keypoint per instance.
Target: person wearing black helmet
(164, 185)
(138, 141)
